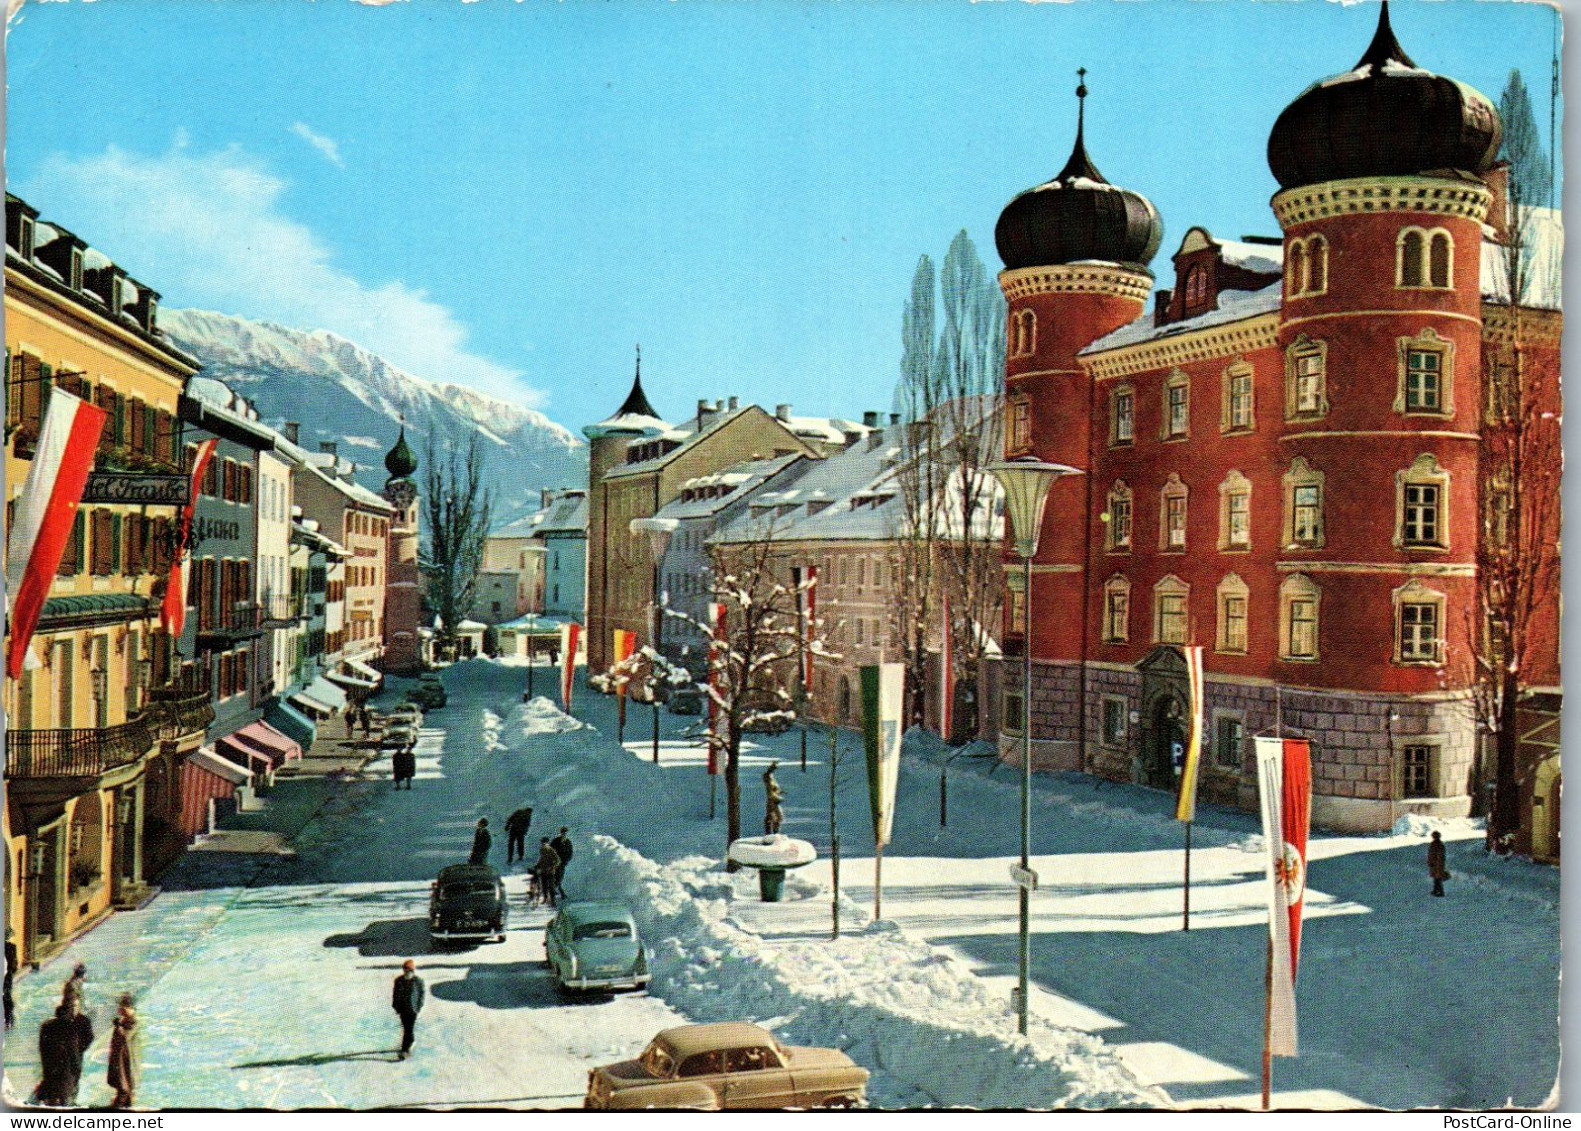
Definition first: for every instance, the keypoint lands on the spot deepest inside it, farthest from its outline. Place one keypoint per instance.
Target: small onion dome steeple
(399, 461)
(634, 416)
(1384, 117)
(1078, 216)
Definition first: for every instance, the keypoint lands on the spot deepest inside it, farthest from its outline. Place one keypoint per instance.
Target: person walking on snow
(1437, 863)
(481, 843)
(407, 1000)
(516, 826)
(125, 1054)
(62, 1041)
(562, 848)
(547, 870)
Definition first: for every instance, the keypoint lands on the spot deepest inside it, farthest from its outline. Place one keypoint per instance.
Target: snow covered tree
(1517, 558)
(949, 395)
(456, 521)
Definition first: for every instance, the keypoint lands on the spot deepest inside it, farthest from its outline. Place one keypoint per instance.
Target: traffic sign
(1024, 877)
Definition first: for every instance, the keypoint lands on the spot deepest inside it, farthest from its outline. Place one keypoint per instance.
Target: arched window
(1026, 336)
(1171, 623)
(1317, 261)
(1116, 610)
(1303, 520)
(1410, 250)
(1172, 515)
(1298, 618)
(1426, 259)
(1235, 512)
(1196, 285)
(1233, 601)
(1438, 259)
(1421, 505)
(1118, 518)
(1296, 268)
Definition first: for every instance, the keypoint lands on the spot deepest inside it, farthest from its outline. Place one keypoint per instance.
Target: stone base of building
(1350, 815)
(1047, 754)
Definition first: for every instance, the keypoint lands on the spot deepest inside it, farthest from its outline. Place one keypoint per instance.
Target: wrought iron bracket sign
(136, 488)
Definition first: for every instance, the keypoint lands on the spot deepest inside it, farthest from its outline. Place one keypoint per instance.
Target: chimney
(327, 447)
(1161, 306)
(734, 404)
(291, 429)
(702, 412)
(870, 420)
(894, 419)
(782, 412)
(547, 495)
(851, 439)
(1498, 182)
(719, 406)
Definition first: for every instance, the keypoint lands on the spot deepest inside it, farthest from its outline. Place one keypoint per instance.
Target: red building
(1286, 462)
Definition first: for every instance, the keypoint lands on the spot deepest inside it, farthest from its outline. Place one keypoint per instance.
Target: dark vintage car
(467, 903)
(428, 694)
(730, 1064)
(687, 700)
(595, 946)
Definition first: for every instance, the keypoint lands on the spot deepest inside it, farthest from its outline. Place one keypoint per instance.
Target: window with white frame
(1303, 518)
(1234, 599)
(1172, 515)
(1418, 769)
(1122, 415)
(1426, 375)
(1229, 738)
(1176, 406)
(1298, 618)
(1235, 413)
(1118, 536)
(1235, 512)
(1419, 624)
(1422, 505)
(1114, 720)
(1170, 620)
(1116, 610)
(1306, 379)
(1424, 259)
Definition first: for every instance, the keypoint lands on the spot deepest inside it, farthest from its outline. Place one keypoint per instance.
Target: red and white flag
(946, 676)
(570, 640)
(45, 513)
(1191, 764)
(717, 614)
(1284, 783)
(173, 612)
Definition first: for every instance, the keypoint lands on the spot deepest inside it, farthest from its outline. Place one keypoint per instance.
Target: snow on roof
(1544, 254)
(632, 422)
(94, 260)
(1233, 306)
(1260, 257)
(738, 480)
(685, 434)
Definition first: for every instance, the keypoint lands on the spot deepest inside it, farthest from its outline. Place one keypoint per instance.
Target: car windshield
(468, 887)
(610, 930)
(657, 1061)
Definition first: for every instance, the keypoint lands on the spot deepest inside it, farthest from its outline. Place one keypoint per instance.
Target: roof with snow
(1233, 306)
(706, 495)
(1543, 252)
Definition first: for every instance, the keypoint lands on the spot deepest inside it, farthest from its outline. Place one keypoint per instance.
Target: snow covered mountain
(340, 392)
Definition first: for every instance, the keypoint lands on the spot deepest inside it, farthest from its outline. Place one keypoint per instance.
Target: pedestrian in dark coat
(62, 1041)
(1437, 863)
(125, 1054)
(406, 999)
(10, 973)
(71, 992)
(481, 843)
(516, 826)
(562, 848)
(547, 870)
(404, 764)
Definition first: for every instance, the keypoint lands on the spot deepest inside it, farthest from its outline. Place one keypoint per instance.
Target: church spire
(636, 403)
(1080, 165)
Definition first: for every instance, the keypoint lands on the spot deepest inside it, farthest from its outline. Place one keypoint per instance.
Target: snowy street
(263, 977)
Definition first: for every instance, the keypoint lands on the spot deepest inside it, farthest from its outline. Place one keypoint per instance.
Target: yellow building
(97, 733)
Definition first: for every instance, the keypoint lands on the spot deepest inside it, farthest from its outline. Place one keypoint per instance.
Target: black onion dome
(1078, 216)
(1386, 117)
(400, 462)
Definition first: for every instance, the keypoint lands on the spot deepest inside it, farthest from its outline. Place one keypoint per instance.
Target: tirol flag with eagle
(570, 640)
(45, 513)
(1284, 784)
(883, 702)
(173, 609)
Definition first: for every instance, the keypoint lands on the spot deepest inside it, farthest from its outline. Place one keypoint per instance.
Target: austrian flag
(1284, 783)
(45, 513)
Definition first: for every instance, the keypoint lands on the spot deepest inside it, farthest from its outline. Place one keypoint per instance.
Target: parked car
(397, 737)
(406, 715)
(687, 700)
(730, 1064)
(766, 713)
(595, 946)
(467, 902)
(428, 695)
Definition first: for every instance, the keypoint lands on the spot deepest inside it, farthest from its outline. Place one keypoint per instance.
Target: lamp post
(1026, 482)
(532, 655)
(658, 531)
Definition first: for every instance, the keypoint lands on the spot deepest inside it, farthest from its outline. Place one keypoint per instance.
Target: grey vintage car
(595, 946)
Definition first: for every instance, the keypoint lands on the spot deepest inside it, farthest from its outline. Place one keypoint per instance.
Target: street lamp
(532, 655)
(1026, 482)
(658, 531)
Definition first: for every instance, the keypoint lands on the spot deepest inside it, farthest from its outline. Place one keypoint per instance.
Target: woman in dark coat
(62, 1041)
(404, 763)
(1437, 863)
(125, 1042)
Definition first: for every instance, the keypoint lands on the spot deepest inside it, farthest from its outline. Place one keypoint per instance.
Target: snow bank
(491, 731)
(776, 851)
(540, 716)
(928, 1029)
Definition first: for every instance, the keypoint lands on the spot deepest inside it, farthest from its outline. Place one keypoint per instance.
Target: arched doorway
(1164, 714)
(1167, 742)
(1546, 788)
(86, 867)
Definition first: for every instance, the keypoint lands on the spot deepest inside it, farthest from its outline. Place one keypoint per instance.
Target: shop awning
(351, 682)
(270, 741)
(326, 692)
(223, 768)
(357, 667)
(235, 750)
(291, 722)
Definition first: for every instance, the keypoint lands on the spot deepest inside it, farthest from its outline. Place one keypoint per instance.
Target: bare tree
(457, 512)
(949, 393)
(1517, 556)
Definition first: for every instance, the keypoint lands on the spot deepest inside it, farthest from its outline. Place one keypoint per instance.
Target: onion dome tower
(403, 591)
(1075, 250)
(1381, 203)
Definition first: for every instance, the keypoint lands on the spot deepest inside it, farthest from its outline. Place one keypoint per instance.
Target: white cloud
(324, 145)
(205, 229)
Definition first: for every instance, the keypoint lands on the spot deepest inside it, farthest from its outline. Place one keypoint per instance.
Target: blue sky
(511, 195)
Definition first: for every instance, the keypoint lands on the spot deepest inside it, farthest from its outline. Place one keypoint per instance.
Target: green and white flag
(883, 702)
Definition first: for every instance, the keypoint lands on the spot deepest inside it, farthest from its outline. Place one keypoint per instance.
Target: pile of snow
(926, 1027)
(1417, 825)
(773, 851)
(540, 716)
(491, 731)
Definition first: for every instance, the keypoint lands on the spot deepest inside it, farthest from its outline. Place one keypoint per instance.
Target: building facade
(1281, 462)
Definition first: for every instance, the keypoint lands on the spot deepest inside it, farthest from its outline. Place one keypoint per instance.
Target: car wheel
(838, 1102)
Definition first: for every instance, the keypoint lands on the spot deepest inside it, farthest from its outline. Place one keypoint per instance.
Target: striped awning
(351, 682)
(292, 722)
(366, 672)
(326, 692)
(264, 737)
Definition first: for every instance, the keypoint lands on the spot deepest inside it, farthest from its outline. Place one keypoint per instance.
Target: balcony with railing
(77, 753)
(241, 621)
(279, 610)
(180, 710)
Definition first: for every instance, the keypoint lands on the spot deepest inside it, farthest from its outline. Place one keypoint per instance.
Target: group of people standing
(553, 854)
(64, 1039)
